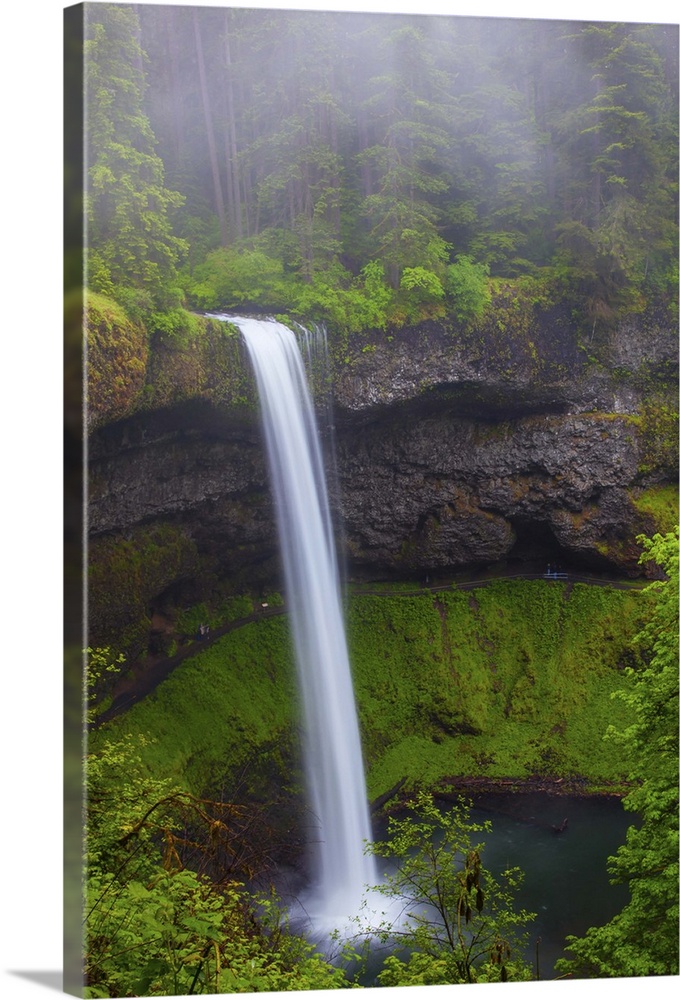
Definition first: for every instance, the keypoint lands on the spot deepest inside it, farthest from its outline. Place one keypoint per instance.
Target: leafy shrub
(98, 274)
(154, 926)
(345, 303)
(230, 278)
(377, 295)
(642, 940)
(175, 325)
(467, 289)
(326, 297)
(457, 923)
(423, 284)
(137, 302)
(658, 424)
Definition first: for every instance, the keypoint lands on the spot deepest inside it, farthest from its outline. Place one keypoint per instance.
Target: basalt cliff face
(509, 448)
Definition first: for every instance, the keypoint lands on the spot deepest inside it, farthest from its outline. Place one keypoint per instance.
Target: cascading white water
(333, 759)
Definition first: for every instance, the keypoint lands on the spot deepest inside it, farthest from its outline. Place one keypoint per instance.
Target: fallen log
(381, 800)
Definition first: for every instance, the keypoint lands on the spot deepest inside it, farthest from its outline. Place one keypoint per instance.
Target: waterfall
(332, 748)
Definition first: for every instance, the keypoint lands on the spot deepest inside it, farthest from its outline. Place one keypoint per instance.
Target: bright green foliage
(346, 304)
(509, 680)
(661, 504)
(467, 286)
(642, 940)
(512, 679)
(420, 295)
(246, 681)
(176, 326)
(228, 278)
(101, 665)
(424, 284)
(455, 922)
(658, 422)
(231, 278)
(377, 293)
(155, 927)
(129, 236)
(117, 355)
(330, 297)
(230, 609)
(174, 934)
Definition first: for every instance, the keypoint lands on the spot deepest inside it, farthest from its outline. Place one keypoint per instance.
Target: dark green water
(566, 882)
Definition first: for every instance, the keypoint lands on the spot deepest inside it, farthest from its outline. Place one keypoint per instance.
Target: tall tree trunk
(366, 175)
(595, 145)
(232, 148)
(250, 207)
(210, 131)
(335, 177)
(173, 50)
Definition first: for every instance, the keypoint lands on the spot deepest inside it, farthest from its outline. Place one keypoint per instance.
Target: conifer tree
(129, 237)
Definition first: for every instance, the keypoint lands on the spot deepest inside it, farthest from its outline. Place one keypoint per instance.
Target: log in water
(565, 866)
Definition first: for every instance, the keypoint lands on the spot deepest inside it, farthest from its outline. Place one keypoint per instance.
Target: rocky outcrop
(518, 362)
(508, 446)
(444, 492)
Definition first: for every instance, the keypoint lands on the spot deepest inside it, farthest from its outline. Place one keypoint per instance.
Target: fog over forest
(329, 142)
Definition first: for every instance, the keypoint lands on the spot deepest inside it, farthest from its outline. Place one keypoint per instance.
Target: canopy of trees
(373, 168)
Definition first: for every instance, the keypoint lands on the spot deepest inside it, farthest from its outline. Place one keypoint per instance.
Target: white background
(30, 459)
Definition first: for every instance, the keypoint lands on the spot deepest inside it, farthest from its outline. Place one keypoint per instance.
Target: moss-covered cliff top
(132, 368)
(523, 356)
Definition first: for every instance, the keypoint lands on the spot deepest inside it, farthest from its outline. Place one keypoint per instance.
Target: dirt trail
(143, 677)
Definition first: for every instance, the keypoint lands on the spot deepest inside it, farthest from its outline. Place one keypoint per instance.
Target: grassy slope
(508, 680)
(215, 710)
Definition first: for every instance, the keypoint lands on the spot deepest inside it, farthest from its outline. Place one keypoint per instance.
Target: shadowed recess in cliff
(333, 758)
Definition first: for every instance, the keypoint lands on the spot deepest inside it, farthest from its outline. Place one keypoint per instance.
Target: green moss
(126, 572)
(510, 680)
(218, 710)
(660, 504)
(178, 356)
(515, 675)
(100, 306)
(117, 356)
(205, 361)
(230, 609)
(657, 422)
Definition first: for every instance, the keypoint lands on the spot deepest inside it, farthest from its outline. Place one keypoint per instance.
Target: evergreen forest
(368, 169)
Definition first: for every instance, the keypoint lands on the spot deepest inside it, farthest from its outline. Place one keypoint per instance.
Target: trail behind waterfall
(143, 677)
